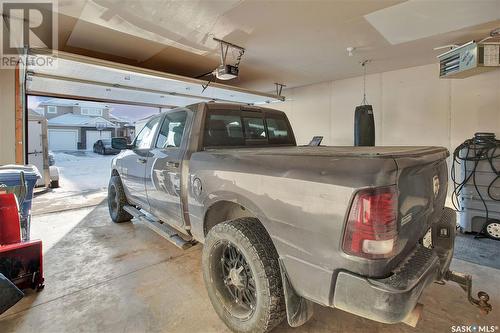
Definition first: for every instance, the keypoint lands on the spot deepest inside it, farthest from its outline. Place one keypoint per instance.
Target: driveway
(83, 180)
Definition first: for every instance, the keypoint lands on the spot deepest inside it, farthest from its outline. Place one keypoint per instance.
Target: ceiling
(291, 42)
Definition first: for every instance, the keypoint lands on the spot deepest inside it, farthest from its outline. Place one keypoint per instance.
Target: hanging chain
(364, 101)
(238, 59)
(364, 63)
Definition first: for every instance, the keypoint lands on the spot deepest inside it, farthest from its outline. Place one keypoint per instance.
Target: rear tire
(54, 184)
(117, 200)
(250, 298)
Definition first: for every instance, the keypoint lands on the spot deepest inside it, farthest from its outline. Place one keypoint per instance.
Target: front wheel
(117, 200)
(242, 276)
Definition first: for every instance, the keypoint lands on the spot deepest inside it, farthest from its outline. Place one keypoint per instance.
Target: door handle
(172, 164)
(141, 160)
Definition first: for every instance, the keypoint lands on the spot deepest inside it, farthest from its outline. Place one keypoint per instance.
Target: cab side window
(145, 136)
(172, 130)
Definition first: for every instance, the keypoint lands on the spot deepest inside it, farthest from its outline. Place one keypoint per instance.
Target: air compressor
(476, 194)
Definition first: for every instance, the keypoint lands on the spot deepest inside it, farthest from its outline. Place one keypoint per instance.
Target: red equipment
(20, 262)
(10, 232)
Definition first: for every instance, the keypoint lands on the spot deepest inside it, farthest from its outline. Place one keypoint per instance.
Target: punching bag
(364, 126)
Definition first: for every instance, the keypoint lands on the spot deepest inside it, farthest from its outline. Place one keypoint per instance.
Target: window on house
(92, 112)
(51, 109)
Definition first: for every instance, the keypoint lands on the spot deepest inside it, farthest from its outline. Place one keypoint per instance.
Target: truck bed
(338, 151)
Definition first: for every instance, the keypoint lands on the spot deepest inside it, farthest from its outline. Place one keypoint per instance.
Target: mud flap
(9, 294)
(298, 309)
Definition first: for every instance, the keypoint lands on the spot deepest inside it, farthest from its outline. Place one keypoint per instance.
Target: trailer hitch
(465, 282)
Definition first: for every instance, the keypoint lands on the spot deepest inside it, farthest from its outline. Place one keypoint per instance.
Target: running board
(161, 228)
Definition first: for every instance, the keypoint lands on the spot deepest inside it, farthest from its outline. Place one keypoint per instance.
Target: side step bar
(161, 228)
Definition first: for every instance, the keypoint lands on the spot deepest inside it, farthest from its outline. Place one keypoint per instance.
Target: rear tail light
(371, 230)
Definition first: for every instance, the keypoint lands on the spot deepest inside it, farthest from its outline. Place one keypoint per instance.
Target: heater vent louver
(449, 65)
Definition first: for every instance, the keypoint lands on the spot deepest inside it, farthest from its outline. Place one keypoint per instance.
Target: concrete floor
(105, 277)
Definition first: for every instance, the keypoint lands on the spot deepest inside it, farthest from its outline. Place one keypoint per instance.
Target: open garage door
(87, 78)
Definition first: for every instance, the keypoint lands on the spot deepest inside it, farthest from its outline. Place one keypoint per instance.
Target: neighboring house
(123, 127)
(76, 124)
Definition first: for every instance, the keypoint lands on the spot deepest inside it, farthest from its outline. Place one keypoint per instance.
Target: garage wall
(7, 116)
(412, 107)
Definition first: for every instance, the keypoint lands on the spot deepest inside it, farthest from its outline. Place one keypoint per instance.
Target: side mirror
(119, 143)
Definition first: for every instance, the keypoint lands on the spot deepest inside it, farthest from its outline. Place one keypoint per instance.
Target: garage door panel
(60, 139)
(74, 76)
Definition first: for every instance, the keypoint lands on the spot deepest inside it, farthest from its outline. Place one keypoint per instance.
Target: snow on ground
(82, 170)
(83, 181)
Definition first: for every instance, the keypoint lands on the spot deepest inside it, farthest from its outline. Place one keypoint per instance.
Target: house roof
(119, 119)
(33, 115)
(73, 102)
(70, 119)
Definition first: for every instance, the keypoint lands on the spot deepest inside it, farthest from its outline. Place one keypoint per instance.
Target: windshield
(106, 141)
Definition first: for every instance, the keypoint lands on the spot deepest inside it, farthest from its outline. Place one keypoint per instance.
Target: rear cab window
(241, 128)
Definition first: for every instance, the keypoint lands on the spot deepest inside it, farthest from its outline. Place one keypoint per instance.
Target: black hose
(481, 145)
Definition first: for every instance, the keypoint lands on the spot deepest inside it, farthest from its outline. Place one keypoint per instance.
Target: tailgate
(422, 183)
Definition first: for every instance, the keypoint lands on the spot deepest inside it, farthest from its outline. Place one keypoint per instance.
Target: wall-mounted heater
(469, 59)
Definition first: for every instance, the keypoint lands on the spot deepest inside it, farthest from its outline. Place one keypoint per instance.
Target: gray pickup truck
(362, 229)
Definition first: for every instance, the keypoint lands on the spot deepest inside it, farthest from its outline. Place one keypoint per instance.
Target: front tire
(242, 276)
(117, 200)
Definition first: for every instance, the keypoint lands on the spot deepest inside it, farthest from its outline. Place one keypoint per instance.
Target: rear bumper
(387, 300)
(391, 299)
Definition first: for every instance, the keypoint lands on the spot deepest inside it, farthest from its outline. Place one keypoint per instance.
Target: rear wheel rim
(493, 229)
(234, 280)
